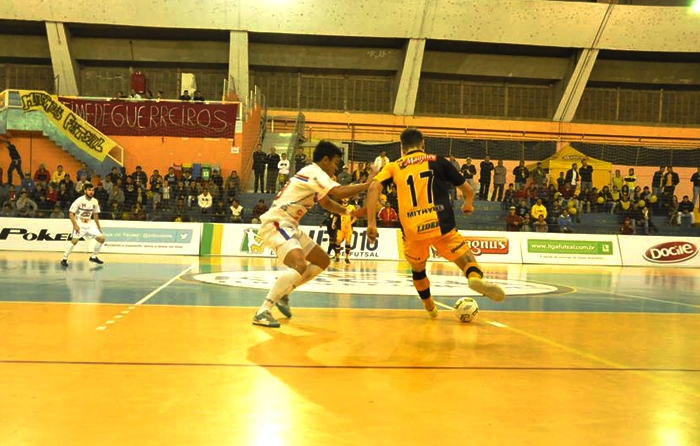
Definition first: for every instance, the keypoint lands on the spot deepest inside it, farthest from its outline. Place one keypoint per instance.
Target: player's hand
(76, 228)
(372, 234)
(467, 208)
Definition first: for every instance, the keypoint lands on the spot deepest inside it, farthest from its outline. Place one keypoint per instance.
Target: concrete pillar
(409, 77)
(569, 92)
(238, 64)
(65, 67)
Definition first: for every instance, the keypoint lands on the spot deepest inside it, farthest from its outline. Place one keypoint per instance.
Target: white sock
(98, 246)
(68, 250)
(282, 286)
(311, 272)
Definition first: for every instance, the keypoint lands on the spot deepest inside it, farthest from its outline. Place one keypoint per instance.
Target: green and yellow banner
(82, 134)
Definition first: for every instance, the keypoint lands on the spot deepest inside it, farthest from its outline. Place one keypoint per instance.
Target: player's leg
(348, 245)
(454, 248)
(339, 236)
(416, 254)
(70, 244)
(93, 232)
(317, 262)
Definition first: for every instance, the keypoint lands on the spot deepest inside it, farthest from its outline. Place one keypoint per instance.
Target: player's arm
(372, 199)
(332, 206)
(97, 221)
(468, 194)
(453, 176)
(340, 192)
(73, 220)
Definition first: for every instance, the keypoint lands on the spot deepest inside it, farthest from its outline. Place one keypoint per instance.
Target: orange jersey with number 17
(422, 184)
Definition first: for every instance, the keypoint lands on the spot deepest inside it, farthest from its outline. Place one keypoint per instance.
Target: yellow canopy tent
(564, 158)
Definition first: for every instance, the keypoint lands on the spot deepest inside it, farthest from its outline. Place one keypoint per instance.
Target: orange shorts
(451, 246)
(344, 234)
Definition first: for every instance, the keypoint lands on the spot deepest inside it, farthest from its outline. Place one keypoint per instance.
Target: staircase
(12, 117)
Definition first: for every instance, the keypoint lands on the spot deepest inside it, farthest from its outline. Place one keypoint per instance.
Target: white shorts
(284, 237)
(87, 231)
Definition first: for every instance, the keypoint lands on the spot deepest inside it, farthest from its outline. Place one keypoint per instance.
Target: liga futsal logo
(251, 242)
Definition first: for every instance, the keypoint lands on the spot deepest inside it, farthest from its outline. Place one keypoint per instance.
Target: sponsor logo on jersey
(405, 162)
(671, 252)
(425, 227)
(423, 211)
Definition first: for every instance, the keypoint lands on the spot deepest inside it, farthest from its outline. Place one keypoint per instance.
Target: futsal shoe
(283, 306)
(433, 312)
(336, 259)
(64, 263)
(347, 261)
(265, 319)
(94, 259)
(490, 290)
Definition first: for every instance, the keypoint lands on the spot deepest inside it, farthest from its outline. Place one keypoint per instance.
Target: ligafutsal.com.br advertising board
(581, 247)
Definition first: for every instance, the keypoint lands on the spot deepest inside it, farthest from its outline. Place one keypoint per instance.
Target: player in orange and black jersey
(422, 183)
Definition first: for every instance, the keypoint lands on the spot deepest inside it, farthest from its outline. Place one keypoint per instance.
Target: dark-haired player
(83, 214)
(427, 220)
(279, 227)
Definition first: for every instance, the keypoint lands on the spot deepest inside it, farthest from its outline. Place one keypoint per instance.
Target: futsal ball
(641, 204)
(653, 199)
(601, 200)
(466, 309)
(573, 211)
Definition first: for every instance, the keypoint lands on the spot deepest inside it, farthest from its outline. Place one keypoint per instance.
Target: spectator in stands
(130, 193)
(685, 211)
(573, 177)
(468, 172)
(42, 175)
(513, 221)
(58, 175)
(258, 210)
(101, 196)
(140, 175)
(568, 191)
(259, 164)
(63, 195)
(586, 173)
(119, 95)
(521, 174)
(522, 209)
(149, 95)
(108, 185)
(656, 181)
(575, 203)
(273, 160)
(564, 222)
(217, 180)
(509, 197)
(236, 212)
(631, 179)
(181, 213)
(627, 228)
(205, 197)
(134, 94)
(198, 96)
(185, 96)
(344, 177)
(538, 209)
(25, 206)
(40, 198)
(533, 194)
(388, 215)
(1, 175)
(695, 179)
(28, 183)
(485, 169)
(617, 180)
(115, 175)
(233, 185)
(607, 199)
(299, 160)
(220, 213)
(83, 173)
(283, 168)
(170, 178)
(78, 188)
(159, 96)
(561, 182)
(138, 213)
(538, 175)
(15, 160)
(669, 183)
(382, 160)
(615, 202)
(499, 181)
(636, 194)
(540, 225)
(357, 173)
(57, 214)
(625, 203)
(8, 210)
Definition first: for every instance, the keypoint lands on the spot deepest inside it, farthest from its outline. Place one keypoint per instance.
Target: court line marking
(25, 302)
(610, 364)
(162, 287)
(340, 366)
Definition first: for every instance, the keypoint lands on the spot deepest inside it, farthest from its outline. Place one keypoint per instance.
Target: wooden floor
(161, 351)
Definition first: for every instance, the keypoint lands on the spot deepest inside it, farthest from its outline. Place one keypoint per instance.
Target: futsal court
(149, 350)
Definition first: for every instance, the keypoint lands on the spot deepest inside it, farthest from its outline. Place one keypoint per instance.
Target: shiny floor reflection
(156, 350)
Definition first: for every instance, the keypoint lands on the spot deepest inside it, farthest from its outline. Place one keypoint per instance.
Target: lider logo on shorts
(671, 252)
(488, 245)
